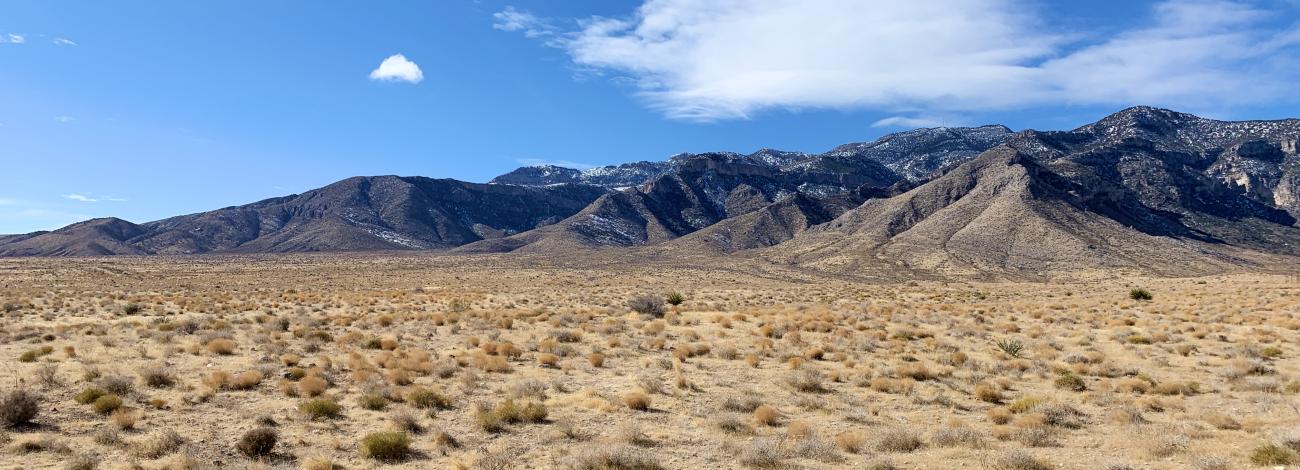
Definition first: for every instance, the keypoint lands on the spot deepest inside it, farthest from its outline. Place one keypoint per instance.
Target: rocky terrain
(1146, 189)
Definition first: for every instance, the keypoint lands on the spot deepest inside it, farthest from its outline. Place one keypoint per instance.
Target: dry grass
(322, 362)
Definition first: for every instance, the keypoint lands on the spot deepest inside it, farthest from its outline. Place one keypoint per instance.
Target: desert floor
(483, 362)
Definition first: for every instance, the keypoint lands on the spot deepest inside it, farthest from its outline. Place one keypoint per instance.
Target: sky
(153, 108)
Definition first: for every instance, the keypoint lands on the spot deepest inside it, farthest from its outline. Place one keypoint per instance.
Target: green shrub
(32, 355)
(1069, 381)
(1139, 294)
(373, 402)
(321, 408)
(386, 446)
(106, 404)
(428, 398)
(674, 298)
(89, 395)
(1271, 454)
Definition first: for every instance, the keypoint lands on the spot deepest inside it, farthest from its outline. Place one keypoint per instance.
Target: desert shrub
(1209, 462)
(1222, 421)
(221, 347)
(386, 446)
(852, 441)
(806, 380)
(731, 423)
(258, 442)
(1139, 294)
(1017, 460)
(988, 393)
(1272, 454)
(955, 436)
(106, 404)
(117, 384)
(18, 407)
(321, 408)
(1061, 415)
(124, 418)
(596, 359)
(89, 395)
(158, 376)
(85, 461)
(762, 453)
(1070, 381)
(647, 305)
(1025, 404)
(637, 401)
(34, 354)
(159, 444)
(614, 457)
(428, 398)
(674, 298)
(405, 421)
(313, 386)
(247, 380)
(132, 308)
(766, 415)
(898, 440)
(372, 402)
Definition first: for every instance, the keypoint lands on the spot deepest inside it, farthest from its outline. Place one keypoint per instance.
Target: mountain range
(1146, 189)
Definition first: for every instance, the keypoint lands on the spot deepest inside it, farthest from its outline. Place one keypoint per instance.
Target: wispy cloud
(15, 38)
(560, 163)
(20, 216)
(64, 119)
(86, 197)
(513, 19)
(79, 198)
(397, 68)
(65, 42)
(912, 122)
(724, 59)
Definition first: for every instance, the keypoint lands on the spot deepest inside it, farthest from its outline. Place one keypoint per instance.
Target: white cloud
(87, 197)
(397, 68)
(65, 42)
(913, 122)
(512, 19)
(720, 59)
(17, 38)
(64, 119)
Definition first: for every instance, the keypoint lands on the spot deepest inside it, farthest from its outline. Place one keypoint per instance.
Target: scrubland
(418, 361)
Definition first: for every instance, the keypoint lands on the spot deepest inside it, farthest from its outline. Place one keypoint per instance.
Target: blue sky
(148, 109)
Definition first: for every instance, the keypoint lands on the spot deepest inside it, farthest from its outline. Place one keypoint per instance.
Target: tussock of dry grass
(327, 362)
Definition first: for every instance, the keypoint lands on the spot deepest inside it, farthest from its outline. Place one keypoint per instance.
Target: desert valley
(1119, 296)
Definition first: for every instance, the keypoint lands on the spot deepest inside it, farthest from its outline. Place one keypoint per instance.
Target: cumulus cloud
(721, 59)
(397, 68)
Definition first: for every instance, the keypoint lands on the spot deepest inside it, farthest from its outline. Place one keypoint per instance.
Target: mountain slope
(702, 190)
(1135, 191)
(791, 190)
(362, 213)
(96, 237)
